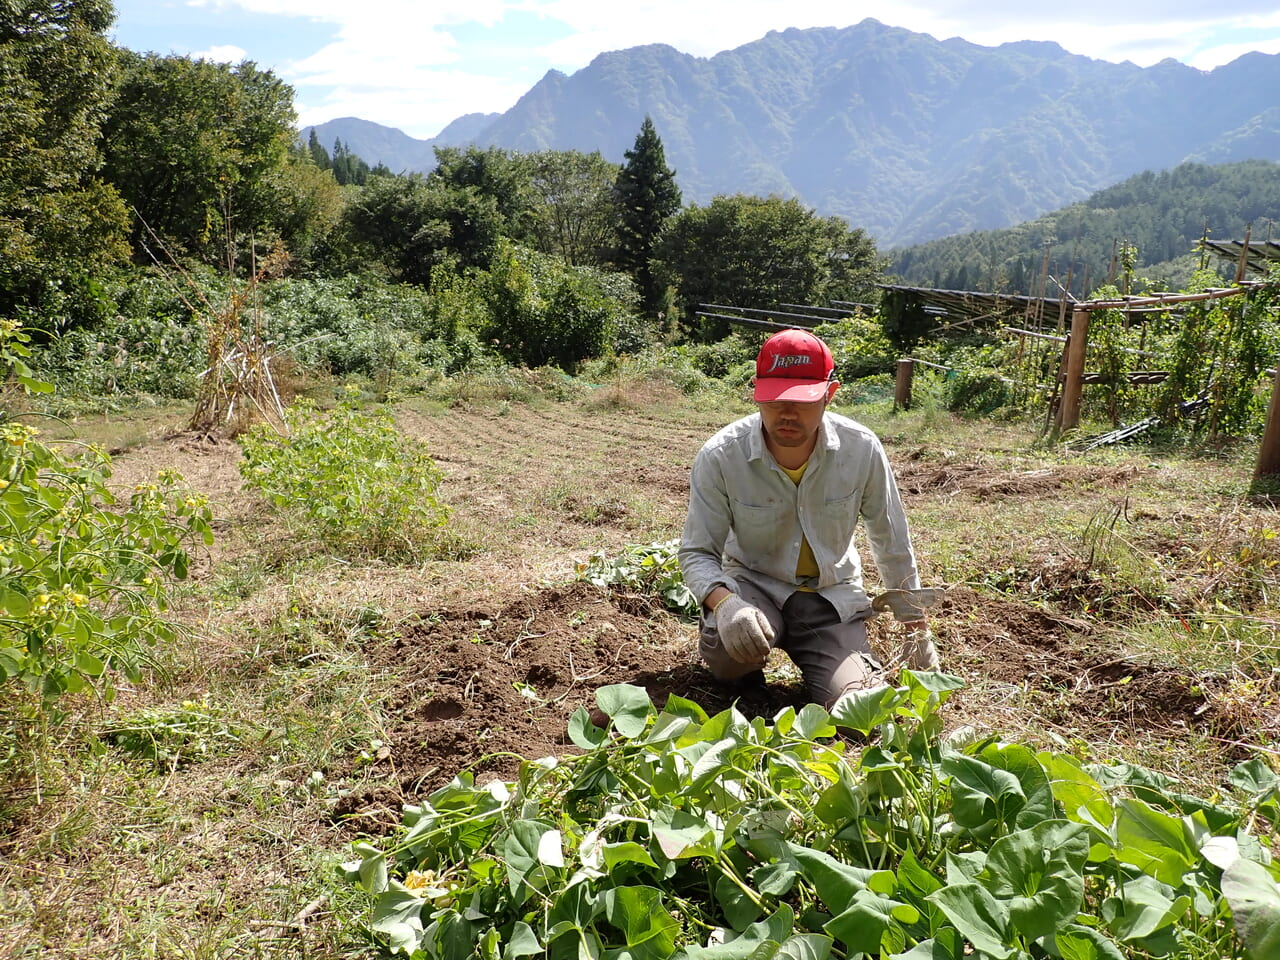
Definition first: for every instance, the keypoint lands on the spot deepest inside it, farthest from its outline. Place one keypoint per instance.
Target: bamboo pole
(1216, 293)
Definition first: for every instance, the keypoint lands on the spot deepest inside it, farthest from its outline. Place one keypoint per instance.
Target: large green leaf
(584, 734)
(1254, 777)
(843, 801)
(629, 707)
(927, 691)
(524, 850)
(647, 926)
(627, 851)
(1143, 907)
(981, 795)
(812, 723)
(680, 707)
(981, 918)
(914, 878)
(1254, 896)
(837, 882)
(1077, 942)
(1153, 841)
(714, 763)
(1022, 763)
(864, 710)
(523, 942)
(863, 926)
(680, 835)
(397, 915)
(1039, 872)
(1082, 797)
(739, 910)
(760, 941)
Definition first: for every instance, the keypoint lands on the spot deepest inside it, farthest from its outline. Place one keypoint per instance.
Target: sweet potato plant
(863, 832)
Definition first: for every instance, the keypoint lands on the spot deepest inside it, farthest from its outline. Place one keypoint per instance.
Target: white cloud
(223, 54)
(1217, 56)
(420, 111)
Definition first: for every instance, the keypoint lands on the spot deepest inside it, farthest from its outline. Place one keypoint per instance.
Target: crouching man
(768, 544)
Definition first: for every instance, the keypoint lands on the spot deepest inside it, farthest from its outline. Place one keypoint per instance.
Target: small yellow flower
(3, 484)
(79, 599)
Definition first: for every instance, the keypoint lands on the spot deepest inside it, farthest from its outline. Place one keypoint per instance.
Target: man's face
(791, 424)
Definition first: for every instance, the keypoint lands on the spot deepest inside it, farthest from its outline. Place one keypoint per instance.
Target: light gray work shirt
(746, 517)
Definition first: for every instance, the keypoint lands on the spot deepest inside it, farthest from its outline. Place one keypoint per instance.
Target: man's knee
(859, 671)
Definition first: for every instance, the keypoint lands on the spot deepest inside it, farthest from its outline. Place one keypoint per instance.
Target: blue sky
(418, 64)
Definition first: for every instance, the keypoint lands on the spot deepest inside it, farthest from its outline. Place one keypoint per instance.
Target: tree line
(113, 160)
(1160, 215)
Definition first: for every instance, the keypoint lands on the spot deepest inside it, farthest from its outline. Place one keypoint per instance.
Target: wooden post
(1266, 479)
(902, 385)
(1072, 388)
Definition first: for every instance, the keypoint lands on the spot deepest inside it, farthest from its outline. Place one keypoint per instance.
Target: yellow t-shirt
(806, 564)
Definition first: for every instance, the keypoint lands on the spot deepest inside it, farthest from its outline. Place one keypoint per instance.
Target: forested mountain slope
(1163, 214)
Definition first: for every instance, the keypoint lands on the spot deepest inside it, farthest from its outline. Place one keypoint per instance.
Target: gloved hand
(744, 630)
(919, 651)
(907, 605)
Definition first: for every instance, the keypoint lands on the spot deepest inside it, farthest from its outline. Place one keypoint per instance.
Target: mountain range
(906, 136)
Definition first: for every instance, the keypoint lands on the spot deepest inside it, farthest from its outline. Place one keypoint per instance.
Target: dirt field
(488, 657)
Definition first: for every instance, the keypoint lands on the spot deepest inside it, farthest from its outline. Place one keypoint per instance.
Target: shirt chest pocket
(839, 517)
(762, 528)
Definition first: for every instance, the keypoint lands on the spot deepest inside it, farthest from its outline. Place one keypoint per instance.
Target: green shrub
(723, 359)
(83, 582)
(353, 481)
(150, 343)
(542, 311)
(859, 348)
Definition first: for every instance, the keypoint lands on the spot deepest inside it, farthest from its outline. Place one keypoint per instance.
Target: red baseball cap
(793, 365)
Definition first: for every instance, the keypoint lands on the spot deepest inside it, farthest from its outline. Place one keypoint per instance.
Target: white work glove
(919, 651)
(744, 630)
(907, 605)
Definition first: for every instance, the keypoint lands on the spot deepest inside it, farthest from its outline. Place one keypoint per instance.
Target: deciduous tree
(573, 211)
(761, 251)
(412, 223)
(190, 142)
(60, 225)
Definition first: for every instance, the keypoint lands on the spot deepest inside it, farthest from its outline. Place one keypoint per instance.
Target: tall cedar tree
(646, 196)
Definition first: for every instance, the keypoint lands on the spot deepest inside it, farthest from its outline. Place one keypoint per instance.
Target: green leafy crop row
(356, 482)
(864, 832)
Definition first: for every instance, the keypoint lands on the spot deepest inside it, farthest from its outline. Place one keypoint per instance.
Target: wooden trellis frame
(1267, 473)
(1068, 416)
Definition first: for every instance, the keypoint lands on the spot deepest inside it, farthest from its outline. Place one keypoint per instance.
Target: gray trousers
(834, 656)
